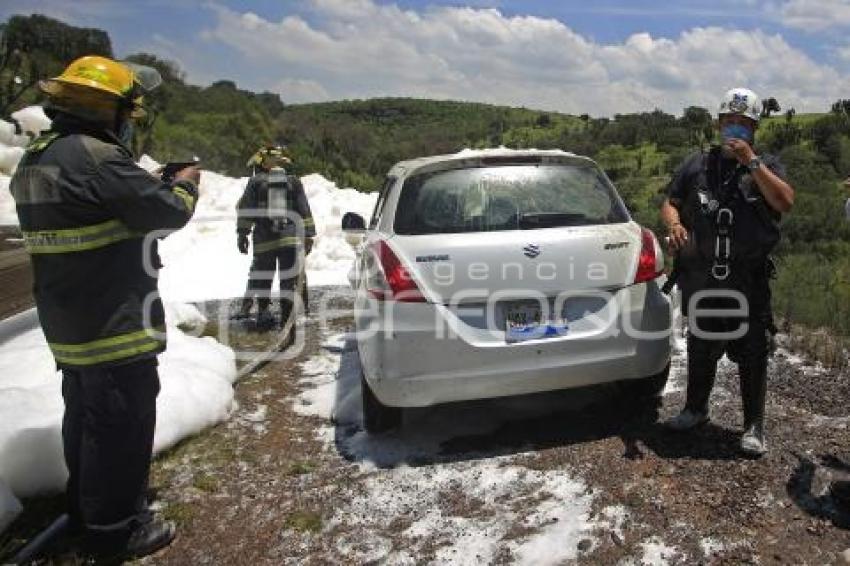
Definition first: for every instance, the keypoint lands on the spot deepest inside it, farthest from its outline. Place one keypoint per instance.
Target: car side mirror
(353, 222)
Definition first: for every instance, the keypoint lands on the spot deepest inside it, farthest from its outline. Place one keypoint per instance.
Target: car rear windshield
(507, 197)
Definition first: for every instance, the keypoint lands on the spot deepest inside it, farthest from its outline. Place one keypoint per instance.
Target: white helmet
(741, 101)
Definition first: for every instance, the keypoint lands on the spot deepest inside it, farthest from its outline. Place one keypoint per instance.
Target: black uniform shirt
(682, 188)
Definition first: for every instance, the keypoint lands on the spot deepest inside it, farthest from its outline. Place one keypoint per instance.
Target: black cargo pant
(107, 433)
(750, 351)
(262, 274)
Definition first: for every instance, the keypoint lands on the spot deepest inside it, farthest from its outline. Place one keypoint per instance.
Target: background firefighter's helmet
(741, 101)
(270, 156)
(96, 82)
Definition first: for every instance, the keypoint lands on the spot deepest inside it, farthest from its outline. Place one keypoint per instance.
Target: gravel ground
(574, 477)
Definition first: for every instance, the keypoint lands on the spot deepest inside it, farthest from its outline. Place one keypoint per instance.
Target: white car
(499, 272)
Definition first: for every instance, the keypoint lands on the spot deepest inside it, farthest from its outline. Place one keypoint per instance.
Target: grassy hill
(799, 119)
(356, 142)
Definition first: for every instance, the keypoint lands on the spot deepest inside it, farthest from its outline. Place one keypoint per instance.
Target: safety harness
(719, 200)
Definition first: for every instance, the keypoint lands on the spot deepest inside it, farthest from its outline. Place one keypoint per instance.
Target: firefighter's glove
(242, 243)
(308, 245)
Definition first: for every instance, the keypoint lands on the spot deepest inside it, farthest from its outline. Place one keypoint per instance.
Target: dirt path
(580, 476)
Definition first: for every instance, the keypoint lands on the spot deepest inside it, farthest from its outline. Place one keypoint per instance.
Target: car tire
(377, 417)
(648, 387)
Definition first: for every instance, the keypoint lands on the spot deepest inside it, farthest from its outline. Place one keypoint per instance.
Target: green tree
(33, 48)
(699, 123)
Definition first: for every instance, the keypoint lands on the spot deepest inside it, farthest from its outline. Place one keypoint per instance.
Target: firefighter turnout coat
(278, 224)
(90, 217)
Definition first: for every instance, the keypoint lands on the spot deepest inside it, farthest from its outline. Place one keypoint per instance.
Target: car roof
(478, 157)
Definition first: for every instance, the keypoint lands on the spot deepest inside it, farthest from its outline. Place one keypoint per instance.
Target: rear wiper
(549, 219)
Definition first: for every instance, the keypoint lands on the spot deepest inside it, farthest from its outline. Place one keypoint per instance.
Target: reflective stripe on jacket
(76, 239)
(115, 348)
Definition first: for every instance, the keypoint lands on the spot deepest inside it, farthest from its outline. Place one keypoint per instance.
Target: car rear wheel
(377, 417)
(647, 387)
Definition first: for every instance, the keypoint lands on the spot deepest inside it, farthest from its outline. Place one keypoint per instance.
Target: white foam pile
(201, 263)
(196, 377)
(31, 121)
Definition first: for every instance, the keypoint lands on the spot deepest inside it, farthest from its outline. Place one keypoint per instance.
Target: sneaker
(687, 420)
(840, 492)
(753, 442)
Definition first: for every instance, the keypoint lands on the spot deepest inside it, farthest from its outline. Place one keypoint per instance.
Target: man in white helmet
(722, 212)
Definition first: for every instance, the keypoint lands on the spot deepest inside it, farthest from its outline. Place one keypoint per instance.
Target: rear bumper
(416, 355)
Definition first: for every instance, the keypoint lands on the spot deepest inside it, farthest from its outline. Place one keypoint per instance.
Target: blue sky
(599, 57)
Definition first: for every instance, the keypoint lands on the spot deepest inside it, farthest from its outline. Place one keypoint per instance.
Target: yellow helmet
(271, 156)
(93, 79)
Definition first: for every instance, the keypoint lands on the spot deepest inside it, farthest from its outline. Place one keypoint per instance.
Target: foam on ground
(195, 373)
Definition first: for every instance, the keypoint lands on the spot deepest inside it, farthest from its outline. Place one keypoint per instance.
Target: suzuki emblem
(531, 250)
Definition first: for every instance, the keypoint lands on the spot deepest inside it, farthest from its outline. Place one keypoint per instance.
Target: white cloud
(301, 90)
(357, 48)
(843, 53)
(815, 15)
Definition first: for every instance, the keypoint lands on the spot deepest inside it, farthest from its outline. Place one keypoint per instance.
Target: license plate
(524, 322)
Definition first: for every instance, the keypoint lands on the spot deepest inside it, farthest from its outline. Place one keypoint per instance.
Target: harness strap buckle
(725, 218)
(720, 271)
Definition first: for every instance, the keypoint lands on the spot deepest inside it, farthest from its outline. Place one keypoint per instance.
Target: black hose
(42, 540)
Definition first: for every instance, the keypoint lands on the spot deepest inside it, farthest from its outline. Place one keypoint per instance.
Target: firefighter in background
(275, 207)
(85, 209)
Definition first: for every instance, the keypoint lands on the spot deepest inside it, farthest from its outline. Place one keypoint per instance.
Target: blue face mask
(737, 131)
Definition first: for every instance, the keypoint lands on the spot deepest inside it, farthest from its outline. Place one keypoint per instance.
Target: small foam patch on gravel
(657, 553)
(470, 512)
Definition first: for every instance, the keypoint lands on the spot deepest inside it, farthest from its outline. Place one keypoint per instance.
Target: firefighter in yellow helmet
(275, 207)
(86, 212)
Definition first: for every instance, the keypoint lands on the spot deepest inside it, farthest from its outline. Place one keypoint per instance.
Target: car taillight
(401, 286)
(648, 261)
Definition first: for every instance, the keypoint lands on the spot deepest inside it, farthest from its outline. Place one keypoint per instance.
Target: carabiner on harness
(723, 244)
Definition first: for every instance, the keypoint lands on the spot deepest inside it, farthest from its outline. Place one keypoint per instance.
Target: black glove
(308, 245)
(242, 242)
